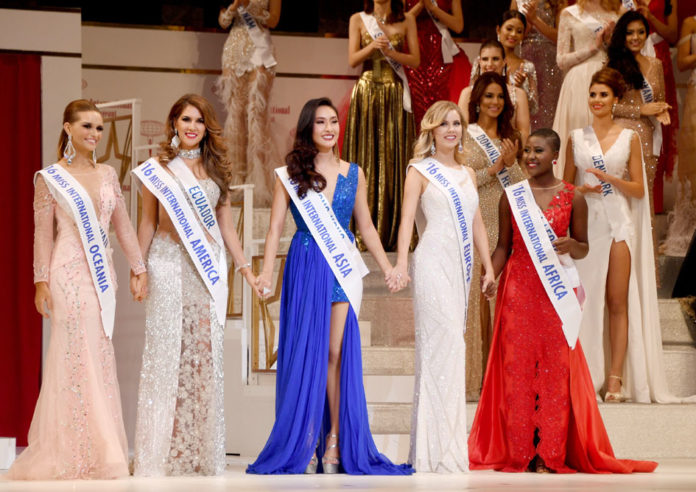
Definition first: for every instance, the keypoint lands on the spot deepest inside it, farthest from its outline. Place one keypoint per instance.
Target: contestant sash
(610, 198)
(165, 188)
(260, 38)
(67, 190)
(629, 4)
(582, 15)
(491, 152)
(448, 46)
(546, 262)
(374, 30)
(440, 178)
(646, 92)
(204, 210)
(339, 251)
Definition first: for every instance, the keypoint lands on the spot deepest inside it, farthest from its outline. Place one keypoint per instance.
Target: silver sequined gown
(180, 428)
(438, 426)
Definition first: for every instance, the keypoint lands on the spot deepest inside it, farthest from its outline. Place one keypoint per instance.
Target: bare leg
(617, 303)
(339, 312)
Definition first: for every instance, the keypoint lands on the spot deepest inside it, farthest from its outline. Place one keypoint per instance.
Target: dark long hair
(513, 14)
(300, 160)
(213, 147)
(620, 57)
(397, 10)
(71, 114)
(505, 128)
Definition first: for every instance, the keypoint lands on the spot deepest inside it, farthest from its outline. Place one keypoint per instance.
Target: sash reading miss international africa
(548, 266)
(373, 29)
(69, 192)
(164, 187)
(491, 152)
(438, 175)
(339, 251)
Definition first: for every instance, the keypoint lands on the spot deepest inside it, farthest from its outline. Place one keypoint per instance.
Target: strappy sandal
(313, 463)
(331, 463)
(615, 396)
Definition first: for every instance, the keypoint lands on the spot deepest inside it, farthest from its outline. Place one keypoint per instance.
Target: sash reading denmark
(165, 188)
(374, 30)
(438, 175)
(67, 190)
(491, 152)
(610, 200)
(338, 250)
(447, 45)
(260, 38)
(648, 96)
(546, 262)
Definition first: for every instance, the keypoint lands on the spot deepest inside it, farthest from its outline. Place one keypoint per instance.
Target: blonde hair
(432, 119)
(609, 5)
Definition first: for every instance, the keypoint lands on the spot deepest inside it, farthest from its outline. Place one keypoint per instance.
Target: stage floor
(670, 475)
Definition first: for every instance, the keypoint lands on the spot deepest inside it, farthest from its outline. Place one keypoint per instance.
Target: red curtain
(20, 325)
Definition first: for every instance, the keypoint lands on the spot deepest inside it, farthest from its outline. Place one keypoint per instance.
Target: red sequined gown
(665, 164)
(434, 80)
(535, 386)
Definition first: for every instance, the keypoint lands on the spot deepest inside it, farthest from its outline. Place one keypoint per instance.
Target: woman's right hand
(585, 189)
(654, 108)
(599, 38)
(42, 299)
(381, 43)
(262, 286)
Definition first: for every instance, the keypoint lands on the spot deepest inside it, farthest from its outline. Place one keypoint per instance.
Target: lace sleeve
(531, 86)
(44, 210)
(568, 55)
(225, 18)
(124, 229)
(629, 105)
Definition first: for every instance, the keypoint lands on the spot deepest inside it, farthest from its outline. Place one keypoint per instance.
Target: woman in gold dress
(379, 129)
(642, 107)
(490, 110)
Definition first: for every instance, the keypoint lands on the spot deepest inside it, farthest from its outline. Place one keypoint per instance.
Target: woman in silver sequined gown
(180, 428)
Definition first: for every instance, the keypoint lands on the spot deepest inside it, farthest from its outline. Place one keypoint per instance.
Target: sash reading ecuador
(186, 222)
(67, 190)
(338, 250)
(438, 175)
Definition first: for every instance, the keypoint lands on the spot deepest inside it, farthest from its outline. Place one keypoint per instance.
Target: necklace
(546, 187)
(381, 19)
(190, 154)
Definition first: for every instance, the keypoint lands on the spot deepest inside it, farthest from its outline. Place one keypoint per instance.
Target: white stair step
(680, 369)
(675, 329)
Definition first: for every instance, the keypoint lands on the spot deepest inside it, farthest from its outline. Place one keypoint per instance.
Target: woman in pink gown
(77, 430)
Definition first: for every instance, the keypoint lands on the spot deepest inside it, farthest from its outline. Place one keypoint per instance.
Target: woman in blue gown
(321, 411)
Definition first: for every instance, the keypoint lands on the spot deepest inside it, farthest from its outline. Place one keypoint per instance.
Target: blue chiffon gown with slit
(302, 413)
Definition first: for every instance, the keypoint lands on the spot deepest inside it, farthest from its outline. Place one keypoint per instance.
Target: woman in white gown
(584, 29)
(618, 273)
(442, 269)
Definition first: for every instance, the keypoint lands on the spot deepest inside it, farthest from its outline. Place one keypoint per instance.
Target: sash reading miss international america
(68, 191)
(260, 38)
(548, 266)
(491, 152)
(374, 30)
(164, 187)
(339, 251)
(438, 175)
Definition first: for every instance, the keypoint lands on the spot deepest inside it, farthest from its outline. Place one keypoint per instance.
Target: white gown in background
(575, 56)
(644, 378)
(438, 425)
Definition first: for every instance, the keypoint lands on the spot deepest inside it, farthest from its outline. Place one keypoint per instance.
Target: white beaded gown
(438, 425)
(180, 428)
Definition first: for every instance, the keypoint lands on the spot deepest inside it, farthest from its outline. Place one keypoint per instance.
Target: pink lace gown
(77, 430)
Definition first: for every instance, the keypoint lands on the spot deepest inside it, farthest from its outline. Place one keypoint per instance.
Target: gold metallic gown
(379, 136)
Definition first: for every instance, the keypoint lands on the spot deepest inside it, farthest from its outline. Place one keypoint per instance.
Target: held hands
(42, 299)
(397, 278)
(488, 285)
(138, 286)
(262, 285)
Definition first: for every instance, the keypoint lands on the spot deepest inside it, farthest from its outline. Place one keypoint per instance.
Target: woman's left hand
(138, 286)
(663, 118)
(601, 175)
(488, 286)
(519, 77)
(563, 244)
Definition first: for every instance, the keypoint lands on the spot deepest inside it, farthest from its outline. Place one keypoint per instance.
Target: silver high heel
(331, 464)
(313, 463)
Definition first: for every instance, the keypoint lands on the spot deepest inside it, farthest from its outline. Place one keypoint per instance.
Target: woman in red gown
(538, 405)
(434, 80)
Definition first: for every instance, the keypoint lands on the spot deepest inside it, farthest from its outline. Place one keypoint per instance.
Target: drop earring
(69, 152)
(94, 156)
(554, 162)
(478, 109)
(460, 148)
(432, 148)
(175, 142)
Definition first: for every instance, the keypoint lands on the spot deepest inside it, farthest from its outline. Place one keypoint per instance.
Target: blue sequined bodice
(342, 205)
